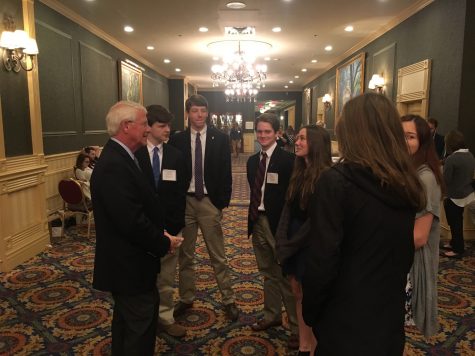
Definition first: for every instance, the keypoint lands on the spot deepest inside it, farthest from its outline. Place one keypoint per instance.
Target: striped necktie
(256, 193)
(199, 189)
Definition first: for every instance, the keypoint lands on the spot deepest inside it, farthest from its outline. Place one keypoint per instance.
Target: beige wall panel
(249, 142)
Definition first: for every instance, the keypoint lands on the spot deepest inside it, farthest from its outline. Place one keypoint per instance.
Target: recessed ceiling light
(286, 86)
(349, 28)
(276, 59)
(276, 29)
(296, 77)
(235, 5)
(267, 58)
(291, 82)
(328, 48)
(304, 69)
(314, 61)
(203, 29)
(215, 58)
(263, 85)
(150, 48)
(166, 60)
(128, 29)
(177, 70)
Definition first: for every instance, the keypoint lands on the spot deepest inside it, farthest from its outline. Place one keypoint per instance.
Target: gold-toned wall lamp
(327, 101)
(19, 50)
(377, 83)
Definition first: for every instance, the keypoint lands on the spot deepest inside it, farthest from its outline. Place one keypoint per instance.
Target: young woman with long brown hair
(362, 245)
(313, 151)
(421, 289)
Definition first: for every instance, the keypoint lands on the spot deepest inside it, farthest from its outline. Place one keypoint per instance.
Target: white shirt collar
(270, 150)
(151, 146)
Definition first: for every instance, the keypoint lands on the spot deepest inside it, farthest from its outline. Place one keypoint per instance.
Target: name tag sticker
(169, 175)
(272, 178)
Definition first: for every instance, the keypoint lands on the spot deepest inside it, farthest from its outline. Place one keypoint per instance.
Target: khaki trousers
(165, 283)
(207, 217)
(276, 286)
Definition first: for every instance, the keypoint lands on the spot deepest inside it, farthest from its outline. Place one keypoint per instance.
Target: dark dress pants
(134, 324)
(454, 215)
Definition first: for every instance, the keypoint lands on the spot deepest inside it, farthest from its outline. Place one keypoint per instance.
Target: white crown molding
(63, 10)
(404, 15)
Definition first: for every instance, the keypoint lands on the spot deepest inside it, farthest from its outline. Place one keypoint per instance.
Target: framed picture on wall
(130, 83)
(349, 82)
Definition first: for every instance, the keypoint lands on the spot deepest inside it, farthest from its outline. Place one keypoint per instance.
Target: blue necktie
(199, 190)
(156, 165)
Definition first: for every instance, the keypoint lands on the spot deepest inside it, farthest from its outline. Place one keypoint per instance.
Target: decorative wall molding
(63, 10)
(408, 12)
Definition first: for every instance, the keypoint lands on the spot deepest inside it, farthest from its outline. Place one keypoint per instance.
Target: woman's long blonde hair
(370, 133)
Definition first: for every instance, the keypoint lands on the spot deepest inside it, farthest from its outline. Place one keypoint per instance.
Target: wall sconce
(19, 50)
(327, 101)
(376, 83)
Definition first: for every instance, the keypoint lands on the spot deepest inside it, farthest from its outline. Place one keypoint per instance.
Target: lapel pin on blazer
(212, 137)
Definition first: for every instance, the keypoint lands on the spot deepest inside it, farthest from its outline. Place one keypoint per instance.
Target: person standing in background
(236, 136)
(439, 142)
(459, 169)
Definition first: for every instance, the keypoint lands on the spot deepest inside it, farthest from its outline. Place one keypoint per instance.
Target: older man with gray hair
(129, 238)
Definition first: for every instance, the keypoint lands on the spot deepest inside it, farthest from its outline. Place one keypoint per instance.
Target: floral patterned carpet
(47, 305)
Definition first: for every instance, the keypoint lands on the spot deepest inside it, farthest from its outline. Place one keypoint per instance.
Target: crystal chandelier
(241, 77)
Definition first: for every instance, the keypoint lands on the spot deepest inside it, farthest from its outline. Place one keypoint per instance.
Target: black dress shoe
(232, 311)
(180, 308)
(265, 324)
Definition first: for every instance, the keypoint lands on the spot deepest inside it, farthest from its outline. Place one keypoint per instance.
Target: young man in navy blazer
(129, 233)
(169, 183)
(268, 187)
(209, 181)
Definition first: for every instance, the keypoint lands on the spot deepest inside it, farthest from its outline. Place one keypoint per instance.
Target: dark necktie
(199, 190)
(156, 165)
(256, 193)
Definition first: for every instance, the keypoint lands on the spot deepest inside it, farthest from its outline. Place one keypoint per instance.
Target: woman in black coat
(362, 248)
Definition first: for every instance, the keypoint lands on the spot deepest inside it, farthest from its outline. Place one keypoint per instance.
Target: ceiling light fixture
(291, 82)
(203, 29)
(328, 48)
(177, 70)
(349, 28)
(128, 29)
(296, 77)
(314, 61)
(241, 77)
(286, 86)
(150, 48)
(276, 29)
(304, 69)
(236, 5)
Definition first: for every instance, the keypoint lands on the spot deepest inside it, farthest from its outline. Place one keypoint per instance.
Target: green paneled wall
(78, 74)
